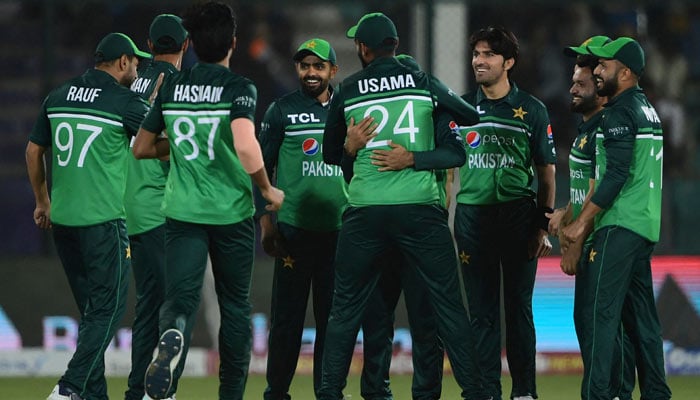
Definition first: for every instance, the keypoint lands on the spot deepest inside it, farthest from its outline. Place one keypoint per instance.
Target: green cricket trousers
(96, 260)
(617, 274)
(422, 235)
(231, 249)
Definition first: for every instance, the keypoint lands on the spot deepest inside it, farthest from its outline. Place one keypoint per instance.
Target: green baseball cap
(373, 30)
(576, 51)
(318, 47)
(167, 26)
(116, 44)
(623, 49)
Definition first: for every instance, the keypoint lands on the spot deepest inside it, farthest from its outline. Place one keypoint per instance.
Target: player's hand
(358, 135)
(154, 94)
(539, 245)
(42, 216)
(570, 258)
(572, 233)
(274, 196)
(558, 219)
(273, 242)
(395, 159)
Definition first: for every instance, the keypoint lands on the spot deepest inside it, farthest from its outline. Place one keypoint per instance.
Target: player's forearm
(36, 169)
(546, 186)
(619, 158)
(148, 145)
(247, 146)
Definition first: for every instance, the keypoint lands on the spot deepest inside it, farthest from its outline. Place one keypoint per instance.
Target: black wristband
(541, 220)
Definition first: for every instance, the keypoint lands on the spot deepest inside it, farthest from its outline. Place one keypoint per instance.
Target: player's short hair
(587, 61)
(501, 41)
(212, 26)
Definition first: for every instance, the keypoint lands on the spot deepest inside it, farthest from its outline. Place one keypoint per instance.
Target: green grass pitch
(550, 387)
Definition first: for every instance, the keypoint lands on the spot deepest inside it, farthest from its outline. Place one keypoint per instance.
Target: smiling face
(489, 68)
(314, 75)
(607, 73)
(583, 91)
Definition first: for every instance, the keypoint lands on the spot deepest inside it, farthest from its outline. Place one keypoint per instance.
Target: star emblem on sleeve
(591, 255)
(128, 251)
(464, 258)
(519, 113)
(288, 262)
(582, 142)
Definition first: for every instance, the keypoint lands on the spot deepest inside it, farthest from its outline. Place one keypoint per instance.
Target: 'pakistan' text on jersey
(87, 122)
(291, 137)
(512, 133)
(145, 181)
(637, 207)
(207, 183)
(581, 160)
(401, 103)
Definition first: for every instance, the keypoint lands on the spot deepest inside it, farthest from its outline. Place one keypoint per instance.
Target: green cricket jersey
(632, 129)
(291, 137)
(145, 182)
(88, 121)
(512, 133)
(207, 183)
(581, 162)
(401, 102)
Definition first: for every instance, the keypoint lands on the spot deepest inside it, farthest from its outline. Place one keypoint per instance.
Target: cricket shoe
(524, 398)
(159, 375)
(63, 393)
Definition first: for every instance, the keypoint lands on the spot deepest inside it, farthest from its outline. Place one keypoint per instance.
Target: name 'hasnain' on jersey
(145, 182)
(581, 160)
(512, 133)
(402, 105)
(207, 183)
(291, 137)
(637, 207)
(87, 122)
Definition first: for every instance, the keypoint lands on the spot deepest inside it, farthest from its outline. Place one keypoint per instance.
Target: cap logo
(311, 45)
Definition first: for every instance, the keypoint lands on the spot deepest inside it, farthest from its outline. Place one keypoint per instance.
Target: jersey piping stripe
(388, 100)
(85, 116)
(202, 112)
(640, 137)
(496, 125)
(579, 160)
(305, 132)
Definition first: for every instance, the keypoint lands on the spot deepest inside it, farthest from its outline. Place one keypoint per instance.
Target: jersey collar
(509, 98)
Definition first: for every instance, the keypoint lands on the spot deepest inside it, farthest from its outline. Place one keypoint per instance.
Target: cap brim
(576, 51)
(141, 54)
(600, 51)
(304, 52)
(351, 32)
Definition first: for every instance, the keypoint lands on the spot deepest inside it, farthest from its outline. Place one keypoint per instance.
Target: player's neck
(174, 59)
(498, 90)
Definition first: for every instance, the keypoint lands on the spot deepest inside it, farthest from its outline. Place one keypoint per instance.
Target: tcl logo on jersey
(303, 118)
(473, 139)
(310, 146)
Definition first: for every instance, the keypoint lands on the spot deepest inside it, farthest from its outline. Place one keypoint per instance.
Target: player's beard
(362, 60)
(314, 92)
(585, 104)
(608, 87)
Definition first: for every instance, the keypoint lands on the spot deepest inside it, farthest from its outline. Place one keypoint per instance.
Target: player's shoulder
(289, 99)
(527, 98)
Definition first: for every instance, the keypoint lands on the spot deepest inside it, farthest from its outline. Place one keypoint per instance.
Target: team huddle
(156, 169)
